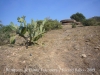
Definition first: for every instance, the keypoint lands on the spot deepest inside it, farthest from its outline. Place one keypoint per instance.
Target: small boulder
(87, 40)
(83, 56)
(20, 40)
(30, 54)
(96, 47)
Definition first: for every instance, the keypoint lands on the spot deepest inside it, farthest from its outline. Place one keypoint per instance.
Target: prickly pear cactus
(12, 40)
(31, 31)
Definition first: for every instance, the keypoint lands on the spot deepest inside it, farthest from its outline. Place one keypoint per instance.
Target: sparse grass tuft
(73, 25)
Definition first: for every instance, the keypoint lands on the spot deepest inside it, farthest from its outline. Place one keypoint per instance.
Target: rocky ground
(67, 51)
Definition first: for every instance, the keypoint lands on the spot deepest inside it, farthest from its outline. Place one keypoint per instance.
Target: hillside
(67, 51)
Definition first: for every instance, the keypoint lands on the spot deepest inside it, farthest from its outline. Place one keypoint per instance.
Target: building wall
(66, 23)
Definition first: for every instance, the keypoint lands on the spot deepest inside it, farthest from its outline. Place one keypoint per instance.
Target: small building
(67, 21)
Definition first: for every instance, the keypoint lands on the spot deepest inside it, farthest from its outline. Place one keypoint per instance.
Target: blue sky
(40, 9)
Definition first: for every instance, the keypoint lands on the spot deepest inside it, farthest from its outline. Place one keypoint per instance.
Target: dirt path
(59, 53)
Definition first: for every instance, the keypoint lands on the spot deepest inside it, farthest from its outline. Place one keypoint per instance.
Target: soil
(67, 51)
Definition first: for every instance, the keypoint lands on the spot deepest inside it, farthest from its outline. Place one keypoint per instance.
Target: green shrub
(97, 18)
(89, 22)
(98, 23)
(73, 25)
(5, 32)
(51, 24)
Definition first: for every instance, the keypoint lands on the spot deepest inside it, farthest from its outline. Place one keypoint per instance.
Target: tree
(79, 17)
(1, 24)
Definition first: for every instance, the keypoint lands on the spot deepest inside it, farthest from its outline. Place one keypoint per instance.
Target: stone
(30, 54)
(83, 56)
(68, 38)
(24, 61)
(20, 40)
(96, 47)
(87, 40)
